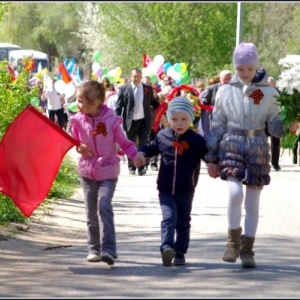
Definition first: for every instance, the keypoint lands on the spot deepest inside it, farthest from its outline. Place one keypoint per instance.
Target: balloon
(109, 77)
(104, 71)
(177, 67)
(152, 67)
(183, 74)
(95, 67)
(145, 72)
(183, 68)
(72, 107)
(99, 73)
(69, 90)
(118, 72)
(97, 56)
(153, 78)
(159, 60)
(186, 79)
(160, 70)
(35, 101)
(166, 66)
(60, 86)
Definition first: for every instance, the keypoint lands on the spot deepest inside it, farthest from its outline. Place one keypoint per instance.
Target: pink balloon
(160, 70)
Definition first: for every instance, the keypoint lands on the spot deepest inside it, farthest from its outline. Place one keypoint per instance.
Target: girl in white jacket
(238, 146)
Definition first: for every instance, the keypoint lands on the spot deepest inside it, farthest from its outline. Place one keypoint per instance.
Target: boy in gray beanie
(181, 151)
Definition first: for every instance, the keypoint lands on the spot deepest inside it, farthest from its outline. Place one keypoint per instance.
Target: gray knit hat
(245, 54)
(180, 104)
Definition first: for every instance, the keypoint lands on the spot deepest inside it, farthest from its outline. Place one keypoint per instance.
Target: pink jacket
(101, 134)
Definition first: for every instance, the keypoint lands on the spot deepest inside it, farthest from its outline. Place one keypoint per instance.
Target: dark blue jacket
(180, 160)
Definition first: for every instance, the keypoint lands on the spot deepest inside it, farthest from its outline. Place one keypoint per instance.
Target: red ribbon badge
(257, 95)
(100, 128)
(181, 146)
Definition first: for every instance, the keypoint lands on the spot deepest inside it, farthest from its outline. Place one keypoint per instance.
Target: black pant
(295, 151)
(275, 148)
(60, 116)
(138, 133)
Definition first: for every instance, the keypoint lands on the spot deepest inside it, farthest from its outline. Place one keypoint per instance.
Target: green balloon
(35, 101)
(104, 71)
(72, 107)
(97, 56)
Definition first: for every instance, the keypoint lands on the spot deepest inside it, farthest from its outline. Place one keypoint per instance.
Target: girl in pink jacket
(98, 129)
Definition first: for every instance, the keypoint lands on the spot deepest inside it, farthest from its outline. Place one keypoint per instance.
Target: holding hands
(139, 160)
(213, 170)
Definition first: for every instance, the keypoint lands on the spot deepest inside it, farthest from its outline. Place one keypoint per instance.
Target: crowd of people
(115, 118)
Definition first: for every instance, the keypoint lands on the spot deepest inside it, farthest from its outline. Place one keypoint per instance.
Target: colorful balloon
(118, 72)
(97, 56)
(72, 107)
(159, 60)
(166, 66)
(183, 68)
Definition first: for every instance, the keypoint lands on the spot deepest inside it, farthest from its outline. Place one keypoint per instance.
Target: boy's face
(180, 122)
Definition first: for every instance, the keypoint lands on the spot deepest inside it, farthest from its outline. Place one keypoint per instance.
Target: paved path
(49, 260)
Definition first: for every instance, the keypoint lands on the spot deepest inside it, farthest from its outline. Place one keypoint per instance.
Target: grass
(66, 181)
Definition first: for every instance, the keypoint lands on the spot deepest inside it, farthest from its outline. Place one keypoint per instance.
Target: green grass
(66, 181)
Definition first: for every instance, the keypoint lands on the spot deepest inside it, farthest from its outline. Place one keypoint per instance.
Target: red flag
(158, 115)
(64, 73)
(31, 152)
(146, 60)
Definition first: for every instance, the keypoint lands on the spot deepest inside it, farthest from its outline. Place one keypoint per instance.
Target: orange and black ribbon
(257, 95)
(100, 128)
(181, 146)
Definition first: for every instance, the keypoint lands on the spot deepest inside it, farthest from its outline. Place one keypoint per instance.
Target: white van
(5, 48)
(40, 59)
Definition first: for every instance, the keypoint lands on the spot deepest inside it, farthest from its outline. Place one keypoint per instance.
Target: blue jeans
(176, 213)
(101, 236)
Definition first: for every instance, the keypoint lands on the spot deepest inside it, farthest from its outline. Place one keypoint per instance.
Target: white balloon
(95, 67)
(159, 60)
(69, 90)
(60, 86)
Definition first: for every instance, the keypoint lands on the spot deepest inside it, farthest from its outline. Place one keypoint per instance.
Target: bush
(15, 95)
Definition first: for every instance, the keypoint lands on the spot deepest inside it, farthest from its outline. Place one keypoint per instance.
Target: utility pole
(239, 25)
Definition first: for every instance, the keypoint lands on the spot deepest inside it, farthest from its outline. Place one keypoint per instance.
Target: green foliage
(14, 96)
(290, 112)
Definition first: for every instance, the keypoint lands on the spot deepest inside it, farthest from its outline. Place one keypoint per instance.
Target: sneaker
(167, 257)
(179, 259)
(108, 258)
(276, 168)
(142, 172)
(154, 168)
(93, 257)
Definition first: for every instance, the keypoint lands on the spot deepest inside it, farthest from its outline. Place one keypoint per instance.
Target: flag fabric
(48, 82)
(65, 76)
(40, 75)
(146, 60)
(31, 152)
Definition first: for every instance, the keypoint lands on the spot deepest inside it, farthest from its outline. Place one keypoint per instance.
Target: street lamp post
(239, 25)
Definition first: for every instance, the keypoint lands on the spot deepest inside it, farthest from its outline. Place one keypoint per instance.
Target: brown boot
(233, 245)
(247, 255)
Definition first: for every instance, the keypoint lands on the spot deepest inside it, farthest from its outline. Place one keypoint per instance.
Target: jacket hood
(104, 113)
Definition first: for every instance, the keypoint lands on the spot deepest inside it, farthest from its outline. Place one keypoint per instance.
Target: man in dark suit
(133, 104)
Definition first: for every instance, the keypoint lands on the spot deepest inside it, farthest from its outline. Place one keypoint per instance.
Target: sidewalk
(49, 260)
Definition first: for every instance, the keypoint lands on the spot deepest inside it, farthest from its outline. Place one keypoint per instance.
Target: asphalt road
(49, 260)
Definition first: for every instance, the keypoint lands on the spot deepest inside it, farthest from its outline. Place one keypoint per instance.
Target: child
(239, 147)
(98, 129)
(181, 151)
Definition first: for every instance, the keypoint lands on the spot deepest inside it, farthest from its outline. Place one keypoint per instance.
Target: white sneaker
(93, 257)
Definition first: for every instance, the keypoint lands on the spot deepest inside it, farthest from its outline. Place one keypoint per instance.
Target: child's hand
(139, 160)
(84, 150)
(213, 170)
